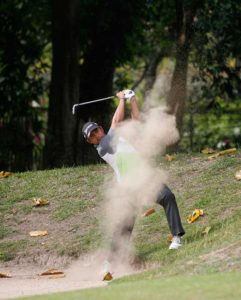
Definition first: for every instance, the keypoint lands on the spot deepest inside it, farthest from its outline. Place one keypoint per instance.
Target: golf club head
(73, 109)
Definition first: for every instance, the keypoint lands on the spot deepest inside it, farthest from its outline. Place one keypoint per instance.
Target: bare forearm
(120, 111)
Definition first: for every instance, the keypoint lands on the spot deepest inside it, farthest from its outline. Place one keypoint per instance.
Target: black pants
(124, 229)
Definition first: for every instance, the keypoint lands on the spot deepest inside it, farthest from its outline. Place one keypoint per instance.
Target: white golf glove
(128, 94)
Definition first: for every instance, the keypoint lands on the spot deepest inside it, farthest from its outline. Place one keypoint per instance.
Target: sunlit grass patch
(8, 250)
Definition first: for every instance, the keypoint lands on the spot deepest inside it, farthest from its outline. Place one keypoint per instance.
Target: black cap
(88, 128)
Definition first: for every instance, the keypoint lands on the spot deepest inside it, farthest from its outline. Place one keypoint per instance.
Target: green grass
(199, 287)
(209, 264)
(81, 244)
(9, 250)
(73, 194)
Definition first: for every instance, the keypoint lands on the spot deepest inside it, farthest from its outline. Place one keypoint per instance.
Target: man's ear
(102, 130)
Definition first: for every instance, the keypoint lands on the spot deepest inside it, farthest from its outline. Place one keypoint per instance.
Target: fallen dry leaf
(224, 152)
(148, 212)
(52, 272)
(208, 151)
(108, 276)
(38, 233)
(170, 157)
(195, 215)
(5, 275)
(40, 202)
(238, 175)
(4, 174)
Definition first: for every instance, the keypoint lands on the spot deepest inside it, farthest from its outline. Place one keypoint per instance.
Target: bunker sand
(81, 274)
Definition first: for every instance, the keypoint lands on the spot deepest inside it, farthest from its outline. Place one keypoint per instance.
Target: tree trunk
(150, 75)
(177, 94)
(96, 78)
(106, 41)
(64, 91)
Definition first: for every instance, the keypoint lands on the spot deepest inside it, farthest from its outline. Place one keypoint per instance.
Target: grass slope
(72, 222)
(70, 218)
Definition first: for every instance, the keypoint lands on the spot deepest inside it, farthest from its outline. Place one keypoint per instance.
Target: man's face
(95, 136)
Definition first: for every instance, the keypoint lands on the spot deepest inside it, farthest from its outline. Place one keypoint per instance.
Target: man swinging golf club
(117, 152)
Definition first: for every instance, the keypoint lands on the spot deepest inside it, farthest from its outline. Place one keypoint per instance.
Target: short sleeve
(106, 144)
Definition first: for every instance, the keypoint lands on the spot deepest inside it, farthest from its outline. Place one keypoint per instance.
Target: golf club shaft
(89, 102)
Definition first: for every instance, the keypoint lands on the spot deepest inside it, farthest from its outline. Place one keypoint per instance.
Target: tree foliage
(100, 46)
(216, 50)
(24, 35)
(213, 107)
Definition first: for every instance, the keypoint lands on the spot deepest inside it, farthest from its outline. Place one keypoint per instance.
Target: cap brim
(91, 129)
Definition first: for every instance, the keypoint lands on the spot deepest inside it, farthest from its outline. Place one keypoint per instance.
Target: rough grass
(70, 218)
(211, 186)
(75, 198)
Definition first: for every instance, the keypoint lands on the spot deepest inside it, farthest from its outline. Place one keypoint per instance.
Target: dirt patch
(37, 259)
(60, 233)
(80, 274)
(228, 212)
(224, 254)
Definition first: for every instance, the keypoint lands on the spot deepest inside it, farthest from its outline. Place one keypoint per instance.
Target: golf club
(90, 102)
(128, 94)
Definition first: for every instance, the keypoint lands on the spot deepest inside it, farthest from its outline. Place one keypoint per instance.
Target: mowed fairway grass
(197, 287)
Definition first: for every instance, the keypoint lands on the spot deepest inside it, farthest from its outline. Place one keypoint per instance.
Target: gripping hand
(128, 94)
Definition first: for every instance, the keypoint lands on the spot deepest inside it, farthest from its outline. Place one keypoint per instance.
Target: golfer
(119, 155)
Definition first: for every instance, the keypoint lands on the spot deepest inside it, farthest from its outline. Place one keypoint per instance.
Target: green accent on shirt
(127, 162)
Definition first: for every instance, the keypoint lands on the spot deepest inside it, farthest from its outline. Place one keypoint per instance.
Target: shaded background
(53, 54)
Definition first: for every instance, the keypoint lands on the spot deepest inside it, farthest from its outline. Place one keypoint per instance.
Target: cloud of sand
(153, 134)
(126, 199)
